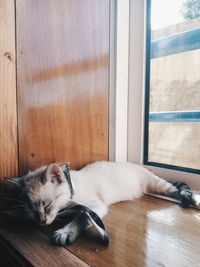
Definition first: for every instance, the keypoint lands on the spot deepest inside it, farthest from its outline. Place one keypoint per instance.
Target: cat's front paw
(63, 237)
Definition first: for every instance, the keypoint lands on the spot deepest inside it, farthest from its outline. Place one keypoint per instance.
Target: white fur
(103, 183)
(99, 185)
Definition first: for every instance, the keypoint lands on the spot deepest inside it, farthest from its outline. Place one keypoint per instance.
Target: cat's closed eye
(47, 206)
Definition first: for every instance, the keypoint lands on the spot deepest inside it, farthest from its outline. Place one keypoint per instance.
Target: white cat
(49, 189)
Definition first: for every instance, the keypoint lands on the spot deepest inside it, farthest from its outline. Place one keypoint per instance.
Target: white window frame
(119, 67)
(127, 88)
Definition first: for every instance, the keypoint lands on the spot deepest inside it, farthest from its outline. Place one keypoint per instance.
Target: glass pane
(174, 85)
(175, 143)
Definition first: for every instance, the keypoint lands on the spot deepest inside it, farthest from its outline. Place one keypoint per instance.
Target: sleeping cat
(49, 189)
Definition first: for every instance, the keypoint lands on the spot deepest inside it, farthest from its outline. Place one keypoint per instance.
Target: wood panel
(62, 55)
(8, 116)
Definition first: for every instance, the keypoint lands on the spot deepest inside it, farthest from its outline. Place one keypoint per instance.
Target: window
(127, 140)
(172, 115)
(140, 147)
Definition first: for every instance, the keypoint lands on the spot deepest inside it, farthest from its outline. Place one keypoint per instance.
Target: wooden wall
(62, 51)
(8, 116)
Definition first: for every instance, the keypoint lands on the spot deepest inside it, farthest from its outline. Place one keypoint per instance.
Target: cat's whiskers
(13, 199)
(65, 212)
(18, 206)
(10, 180)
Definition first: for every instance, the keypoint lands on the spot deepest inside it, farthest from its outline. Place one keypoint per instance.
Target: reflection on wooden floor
(146, 232)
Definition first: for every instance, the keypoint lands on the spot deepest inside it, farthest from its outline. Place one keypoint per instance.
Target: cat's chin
(50, 220)
(46, 223)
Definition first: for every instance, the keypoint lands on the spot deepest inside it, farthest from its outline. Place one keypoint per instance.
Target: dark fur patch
(68, 178)
(80, 216)
(184, 194)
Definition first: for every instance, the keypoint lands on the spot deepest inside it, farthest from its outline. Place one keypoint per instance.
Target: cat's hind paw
(63, 237)
(196, 199)
(186, 198)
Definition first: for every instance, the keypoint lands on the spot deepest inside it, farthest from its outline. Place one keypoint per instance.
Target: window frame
(129, 110)
(147, 100)
(118, 85)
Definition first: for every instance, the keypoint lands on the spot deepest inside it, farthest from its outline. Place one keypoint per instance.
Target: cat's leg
(186, 195)
(69, 233)
(155, 184)
(99, 208)
(177, 190)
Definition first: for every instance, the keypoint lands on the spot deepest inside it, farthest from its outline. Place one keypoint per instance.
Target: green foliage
(191, 9)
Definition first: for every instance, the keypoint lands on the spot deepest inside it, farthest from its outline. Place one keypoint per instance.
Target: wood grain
(8, 116)
(35, 247)
(62, 55)
(146, 232)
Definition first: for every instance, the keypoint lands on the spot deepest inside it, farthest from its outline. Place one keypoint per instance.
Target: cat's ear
(53, 173)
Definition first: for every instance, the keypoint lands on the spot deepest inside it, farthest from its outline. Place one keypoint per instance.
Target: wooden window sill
(146, 232)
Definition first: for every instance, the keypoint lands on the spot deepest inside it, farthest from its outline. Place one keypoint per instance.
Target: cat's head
(38, 193)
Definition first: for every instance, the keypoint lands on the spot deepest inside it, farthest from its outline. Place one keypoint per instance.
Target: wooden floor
(146, 232)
